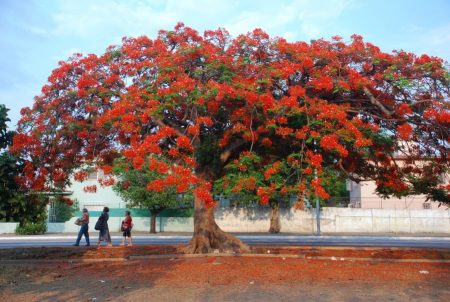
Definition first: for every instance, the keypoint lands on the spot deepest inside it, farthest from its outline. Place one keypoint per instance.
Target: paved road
(286, 240)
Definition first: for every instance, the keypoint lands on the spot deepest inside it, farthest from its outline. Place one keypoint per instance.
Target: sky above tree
(35, 35)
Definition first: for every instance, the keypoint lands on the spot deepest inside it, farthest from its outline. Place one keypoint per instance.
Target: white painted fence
(332, 220)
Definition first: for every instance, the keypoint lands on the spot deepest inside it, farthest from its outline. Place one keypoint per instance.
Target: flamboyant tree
(199, 102)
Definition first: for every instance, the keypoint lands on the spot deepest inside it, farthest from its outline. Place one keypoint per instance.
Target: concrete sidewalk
(168, 234)
(59, 240)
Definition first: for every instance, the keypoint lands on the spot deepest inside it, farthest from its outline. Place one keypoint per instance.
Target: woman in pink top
(84, 230)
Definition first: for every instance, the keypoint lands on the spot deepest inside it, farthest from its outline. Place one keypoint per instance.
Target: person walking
(84, 230)
(127, 225)
(102, 226)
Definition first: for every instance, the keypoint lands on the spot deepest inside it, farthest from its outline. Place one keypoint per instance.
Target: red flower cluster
(403, 109)
(316, 160)
(272, 170)
(205, 120)
(318, 189)
(284, 131)
(107, 169)
(194, 130)
(331, 142)
(108, 181)
(138, 162)
(323, 83)
(156, 185)
(156, 165)
(266, 142)
(183, 142)
(263, 195)
(90, 189)
(248, 184)
(404, 131)
(80, 175)
(205, 195)
(441, 116)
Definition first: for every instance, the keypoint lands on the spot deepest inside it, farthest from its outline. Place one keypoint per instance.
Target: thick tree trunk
(208, 237)
(275, 225)
(153, 214)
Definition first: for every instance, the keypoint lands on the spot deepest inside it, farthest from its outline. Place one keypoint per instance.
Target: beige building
(363, 195)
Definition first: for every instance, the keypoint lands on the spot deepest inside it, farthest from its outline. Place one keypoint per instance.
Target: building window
(427, 205)
(92, 176)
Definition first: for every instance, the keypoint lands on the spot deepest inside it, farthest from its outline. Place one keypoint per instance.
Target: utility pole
(317, 199)
(317, 210)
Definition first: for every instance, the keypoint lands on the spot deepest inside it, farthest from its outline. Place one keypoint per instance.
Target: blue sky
(35, 35)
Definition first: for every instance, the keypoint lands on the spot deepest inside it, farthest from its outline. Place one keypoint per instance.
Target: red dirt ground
(216, 278)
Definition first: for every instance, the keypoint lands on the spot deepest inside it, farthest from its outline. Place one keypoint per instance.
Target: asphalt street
(284, 240)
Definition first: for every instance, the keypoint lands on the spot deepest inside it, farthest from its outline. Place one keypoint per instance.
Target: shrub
(32, 228)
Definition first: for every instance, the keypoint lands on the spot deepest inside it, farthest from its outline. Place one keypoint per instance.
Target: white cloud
(440, 35)
(95, 19)
(275, 20)
(433, 41)
(436, 41)
(315, 17)
(67, 53)
(100, 18)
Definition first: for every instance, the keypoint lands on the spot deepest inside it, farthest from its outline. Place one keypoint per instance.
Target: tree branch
(168, 123)
(377, 103)
(225, 155)
(348, 174)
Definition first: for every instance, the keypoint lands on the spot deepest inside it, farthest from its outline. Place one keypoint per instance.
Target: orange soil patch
(296, 274)
(226, 279)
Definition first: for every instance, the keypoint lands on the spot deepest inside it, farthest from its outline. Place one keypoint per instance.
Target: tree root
(217, 240)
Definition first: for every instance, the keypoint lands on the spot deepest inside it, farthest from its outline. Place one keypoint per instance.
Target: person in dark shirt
(102, 226)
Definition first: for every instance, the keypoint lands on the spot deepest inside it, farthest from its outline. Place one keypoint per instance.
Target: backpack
(98, 225)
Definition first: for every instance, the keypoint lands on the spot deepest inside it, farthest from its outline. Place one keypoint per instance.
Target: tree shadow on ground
(93, 281)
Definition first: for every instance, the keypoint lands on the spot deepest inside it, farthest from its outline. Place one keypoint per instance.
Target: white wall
(8, 227)
(332, 220)
(105, 196)
(339, 220)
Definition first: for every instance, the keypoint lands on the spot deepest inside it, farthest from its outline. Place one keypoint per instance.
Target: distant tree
(246, 176)
(132, 188)
(64, 208)
(203, 100)
(5, 135)
(16, 204)
(11, 202)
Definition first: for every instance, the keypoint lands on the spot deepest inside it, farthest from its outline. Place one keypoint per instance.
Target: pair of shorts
(127, 233)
